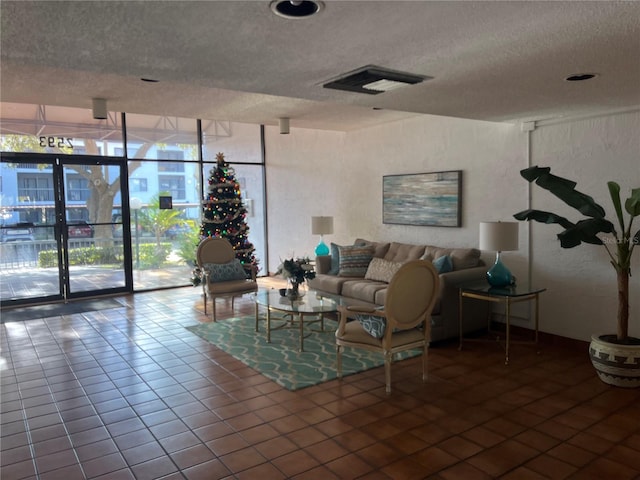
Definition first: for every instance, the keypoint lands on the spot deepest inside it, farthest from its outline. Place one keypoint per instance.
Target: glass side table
(506, 295)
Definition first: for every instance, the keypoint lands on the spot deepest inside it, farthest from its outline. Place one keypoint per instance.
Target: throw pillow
(354, 260)
(374, 325)
(381, 270)
(443, 264)
(225, 272)
(335, 260)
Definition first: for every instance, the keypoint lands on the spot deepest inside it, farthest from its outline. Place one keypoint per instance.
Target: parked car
(80, 229)
(19, 232)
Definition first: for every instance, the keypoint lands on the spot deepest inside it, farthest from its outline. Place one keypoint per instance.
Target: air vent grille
(373, 80)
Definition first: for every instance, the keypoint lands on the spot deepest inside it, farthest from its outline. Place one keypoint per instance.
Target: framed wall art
(432, 199)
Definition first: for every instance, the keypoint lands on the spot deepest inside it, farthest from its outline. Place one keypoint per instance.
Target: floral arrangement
(296, 270)
(196, 276)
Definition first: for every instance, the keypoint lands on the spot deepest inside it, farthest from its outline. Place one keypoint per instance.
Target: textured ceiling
(236, 60)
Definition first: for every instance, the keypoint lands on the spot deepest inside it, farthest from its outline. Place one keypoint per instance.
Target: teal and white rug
(280, 360)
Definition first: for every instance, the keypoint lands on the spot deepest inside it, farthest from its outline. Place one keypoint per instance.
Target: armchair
(224, 275)
(403, 323)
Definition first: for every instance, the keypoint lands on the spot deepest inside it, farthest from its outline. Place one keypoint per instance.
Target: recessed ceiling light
(579, 77)
(295, 8)
(150, 80)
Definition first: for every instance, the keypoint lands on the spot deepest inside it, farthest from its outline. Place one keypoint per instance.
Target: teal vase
(499, 275)
(322, 248)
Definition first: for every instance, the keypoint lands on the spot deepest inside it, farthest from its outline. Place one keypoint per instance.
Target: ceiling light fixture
(295, 8)
(580, 77)
(284, 125)
(99, 108)
(374, 80)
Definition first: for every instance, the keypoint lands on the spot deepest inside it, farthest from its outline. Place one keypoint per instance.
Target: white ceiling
(236, 60)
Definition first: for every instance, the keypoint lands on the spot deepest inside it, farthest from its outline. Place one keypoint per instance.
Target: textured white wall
(581, 297)
(313, 172)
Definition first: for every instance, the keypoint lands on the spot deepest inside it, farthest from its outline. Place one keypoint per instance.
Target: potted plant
(616, 357)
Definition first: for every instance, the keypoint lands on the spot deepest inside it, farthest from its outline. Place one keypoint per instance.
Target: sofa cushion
(403, 252)
(443, 264)
(465, 258)
(225, 272)
(380, 249)
(327, 283)
(381, 270)
(354, 260)
(361, 289)
(461, 257)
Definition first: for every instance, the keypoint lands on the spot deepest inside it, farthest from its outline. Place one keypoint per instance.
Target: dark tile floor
(128, 393)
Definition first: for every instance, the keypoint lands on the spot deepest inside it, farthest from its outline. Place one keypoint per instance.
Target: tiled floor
(129, 393)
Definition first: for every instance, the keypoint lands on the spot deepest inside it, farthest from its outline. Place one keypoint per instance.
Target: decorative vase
(295, 291)
(616, 364)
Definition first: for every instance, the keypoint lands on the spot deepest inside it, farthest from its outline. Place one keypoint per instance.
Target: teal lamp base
(322, 248)
(499, 275)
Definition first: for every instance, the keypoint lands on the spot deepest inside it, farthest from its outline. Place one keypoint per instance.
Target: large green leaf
(585, 231)
(565, 190)
(543, 217)
(632, 204)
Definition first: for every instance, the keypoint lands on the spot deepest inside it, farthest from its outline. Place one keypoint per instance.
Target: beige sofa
(361, 276)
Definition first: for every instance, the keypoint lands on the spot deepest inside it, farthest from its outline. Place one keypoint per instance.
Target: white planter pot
(615, 364)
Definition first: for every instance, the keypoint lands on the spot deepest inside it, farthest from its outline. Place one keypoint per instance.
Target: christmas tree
(224, 214)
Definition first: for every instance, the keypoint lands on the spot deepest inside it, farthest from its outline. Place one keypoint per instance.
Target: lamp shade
(499, 236)
(321, 225)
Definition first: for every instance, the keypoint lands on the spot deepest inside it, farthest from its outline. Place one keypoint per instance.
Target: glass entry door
(62, 229)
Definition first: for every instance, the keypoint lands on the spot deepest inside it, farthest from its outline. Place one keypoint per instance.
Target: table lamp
(321, 226)
(499, 237)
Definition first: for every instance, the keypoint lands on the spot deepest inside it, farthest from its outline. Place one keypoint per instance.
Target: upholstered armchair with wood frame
(224, 275)
(403, 323)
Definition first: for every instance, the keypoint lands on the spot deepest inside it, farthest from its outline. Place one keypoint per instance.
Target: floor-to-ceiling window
(159, 157)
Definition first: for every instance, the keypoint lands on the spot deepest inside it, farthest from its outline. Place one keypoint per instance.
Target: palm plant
(589, 229)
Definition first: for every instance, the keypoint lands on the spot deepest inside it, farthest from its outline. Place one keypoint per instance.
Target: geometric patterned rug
(280, 360)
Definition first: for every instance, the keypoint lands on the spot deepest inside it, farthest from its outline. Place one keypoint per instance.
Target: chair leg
(204, 296)
(257, 317)
(387, 371)
(425, 362)
(213, 308)
(339, 360)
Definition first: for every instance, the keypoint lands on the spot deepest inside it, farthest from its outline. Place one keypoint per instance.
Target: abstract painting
(432, 199)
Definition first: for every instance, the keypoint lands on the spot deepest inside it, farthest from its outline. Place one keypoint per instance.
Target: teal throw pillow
(225, 272)
(443, 264)
(335, 259)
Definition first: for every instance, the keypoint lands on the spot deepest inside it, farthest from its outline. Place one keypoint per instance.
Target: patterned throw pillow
(374, 325)
(225, 272)
(354, 260)
(381, 270)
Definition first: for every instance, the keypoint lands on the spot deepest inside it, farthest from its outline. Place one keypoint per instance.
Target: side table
(507, 295)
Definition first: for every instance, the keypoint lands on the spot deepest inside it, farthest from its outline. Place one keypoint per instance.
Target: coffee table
(308, 310)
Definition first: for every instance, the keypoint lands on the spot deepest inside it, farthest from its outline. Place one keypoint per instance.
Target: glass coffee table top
(311, 302)
(296, 313)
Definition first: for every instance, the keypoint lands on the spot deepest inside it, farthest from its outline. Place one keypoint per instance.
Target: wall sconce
(284, 126)
(99, 108)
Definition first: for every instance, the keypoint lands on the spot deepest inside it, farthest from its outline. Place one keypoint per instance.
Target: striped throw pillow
(354, 260)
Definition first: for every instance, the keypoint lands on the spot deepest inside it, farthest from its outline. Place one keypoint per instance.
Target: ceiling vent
(374, 80)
